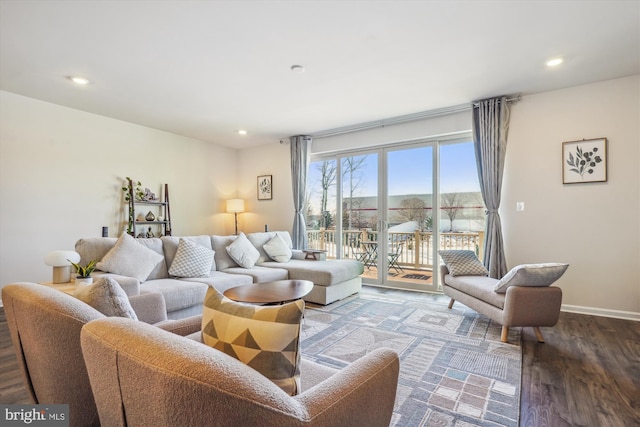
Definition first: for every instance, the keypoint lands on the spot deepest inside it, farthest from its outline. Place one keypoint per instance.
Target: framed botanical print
(265, 187)
(584, 161)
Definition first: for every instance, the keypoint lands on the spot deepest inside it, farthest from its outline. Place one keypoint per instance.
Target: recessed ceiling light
(297, 68)
(79, 80)
(554, 62)
(242, 132)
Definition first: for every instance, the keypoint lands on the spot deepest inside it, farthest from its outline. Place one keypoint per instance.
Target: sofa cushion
(191, 260)
(258, 240)
(178, 294)
(243, 252)
(260, 274)
(277, 249)
(106, 296)
(463, 263)
(266, 338)
(222, 258)
(223, 281)
(536, 275)
(129, 257)
(91, 248)
(480, 287)
(322, 273)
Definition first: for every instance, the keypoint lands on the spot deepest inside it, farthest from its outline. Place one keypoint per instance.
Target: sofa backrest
(222, 258)
(260, 238)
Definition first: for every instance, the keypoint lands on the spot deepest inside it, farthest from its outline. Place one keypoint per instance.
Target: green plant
(85, 271)
(138, 193)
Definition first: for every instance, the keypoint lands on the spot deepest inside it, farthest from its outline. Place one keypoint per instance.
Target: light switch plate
(519, 206)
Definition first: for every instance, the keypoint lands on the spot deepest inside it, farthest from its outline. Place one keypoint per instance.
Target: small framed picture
(584, 161)
(265, 187)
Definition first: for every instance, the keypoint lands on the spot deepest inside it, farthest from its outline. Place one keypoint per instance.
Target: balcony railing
(418, 245)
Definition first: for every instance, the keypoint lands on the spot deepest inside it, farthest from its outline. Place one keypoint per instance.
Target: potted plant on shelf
(129, 192)
(84, 273)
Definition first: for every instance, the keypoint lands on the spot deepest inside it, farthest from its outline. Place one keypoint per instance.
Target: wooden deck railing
(417, 246)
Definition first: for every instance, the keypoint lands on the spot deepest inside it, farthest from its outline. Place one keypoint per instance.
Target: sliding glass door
(392, 208)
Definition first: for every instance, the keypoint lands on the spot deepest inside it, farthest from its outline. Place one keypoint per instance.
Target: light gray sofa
(332, 279)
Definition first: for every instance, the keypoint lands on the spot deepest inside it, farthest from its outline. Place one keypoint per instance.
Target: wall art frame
(584, 161)
(265, 187)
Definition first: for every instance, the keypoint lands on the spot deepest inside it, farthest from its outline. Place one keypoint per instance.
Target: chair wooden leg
(505, 334)
(538, 334)
(451, 303)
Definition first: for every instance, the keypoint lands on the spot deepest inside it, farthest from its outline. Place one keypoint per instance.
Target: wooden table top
(270, 292)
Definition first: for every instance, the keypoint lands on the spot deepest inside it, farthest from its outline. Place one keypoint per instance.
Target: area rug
(454, 371)
(416, 276)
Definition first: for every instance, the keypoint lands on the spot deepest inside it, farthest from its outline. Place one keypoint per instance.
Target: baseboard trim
(593, 311)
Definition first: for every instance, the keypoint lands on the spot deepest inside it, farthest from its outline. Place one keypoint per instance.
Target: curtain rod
(398, 119)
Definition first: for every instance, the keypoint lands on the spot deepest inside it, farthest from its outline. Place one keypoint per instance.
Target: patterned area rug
(454, 371)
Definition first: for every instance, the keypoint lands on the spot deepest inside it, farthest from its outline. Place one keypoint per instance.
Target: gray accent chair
(518, 306)
(45, 325)
(189, 383)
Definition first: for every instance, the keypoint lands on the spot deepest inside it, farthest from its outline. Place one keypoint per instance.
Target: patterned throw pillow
(191, 260)
(243, 252)
(266, 338)
(130, 258)
(537, 275)
(277, 249)
(106, 296)
(463, 263)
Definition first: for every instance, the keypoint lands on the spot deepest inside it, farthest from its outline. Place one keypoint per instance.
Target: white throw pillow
(191, 260)
(106, 296)
(130, 258)
(536, 275)
(463, 263)
(277, 249)
(243, 252)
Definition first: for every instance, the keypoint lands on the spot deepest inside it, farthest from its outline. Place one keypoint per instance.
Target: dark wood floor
(586, 374)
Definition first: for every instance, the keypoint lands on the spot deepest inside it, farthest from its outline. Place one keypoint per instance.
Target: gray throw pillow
(463, 263)
(106, 296)
(243, 252)
(277, 249)
(536, 275)
(191, 260)
(130, 258)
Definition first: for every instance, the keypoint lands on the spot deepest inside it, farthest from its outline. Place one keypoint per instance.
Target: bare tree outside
(352, 176)
(328, 170)
(451, 205)
(414, 209)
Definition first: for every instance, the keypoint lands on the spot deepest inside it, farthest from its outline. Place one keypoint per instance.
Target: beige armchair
(189, 383)
(518, 306)
(45, 326)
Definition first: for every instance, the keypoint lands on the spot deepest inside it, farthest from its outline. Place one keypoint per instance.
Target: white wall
(594, 227)
(271, 159)
(60, 176)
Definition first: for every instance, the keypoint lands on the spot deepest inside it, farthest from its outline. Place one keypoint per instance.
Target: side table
(67, 287)
(312, 254)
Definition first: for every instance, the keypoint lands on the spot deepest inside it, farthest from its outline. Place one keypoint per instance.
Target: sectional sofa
(182, 268)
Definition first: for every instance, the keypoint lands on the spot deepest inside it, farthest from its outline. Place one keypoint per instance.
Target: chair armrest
(150, 308)
(532, 306)
(361, 394)
(130, 285)
(182, 327)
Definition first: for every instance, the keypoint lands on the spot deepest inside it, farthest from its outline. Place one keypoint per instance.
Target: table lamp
(59, 260)
(235, 206)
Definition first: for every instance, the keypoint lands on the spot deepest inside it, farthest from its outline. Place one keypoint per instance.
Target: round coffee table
(280, 291)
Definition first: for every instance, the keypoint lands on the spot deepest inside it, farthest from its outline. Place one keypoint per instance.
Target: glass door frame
(383, 280)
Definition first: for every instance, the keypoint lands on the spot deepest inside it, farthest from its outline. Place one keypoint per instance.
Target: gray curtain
(300, 152)
(490, 128)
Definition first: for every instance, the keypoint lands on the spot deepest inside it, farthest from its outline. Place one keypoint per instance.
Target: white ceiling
(205, 69)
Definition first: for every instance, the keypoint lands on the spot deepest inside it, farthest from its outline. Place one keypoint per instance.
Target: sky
(410, 171)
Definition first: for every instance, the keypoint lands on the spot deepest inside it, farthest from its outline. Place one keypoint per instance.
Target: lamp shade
(235, 205)
(60, 258)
